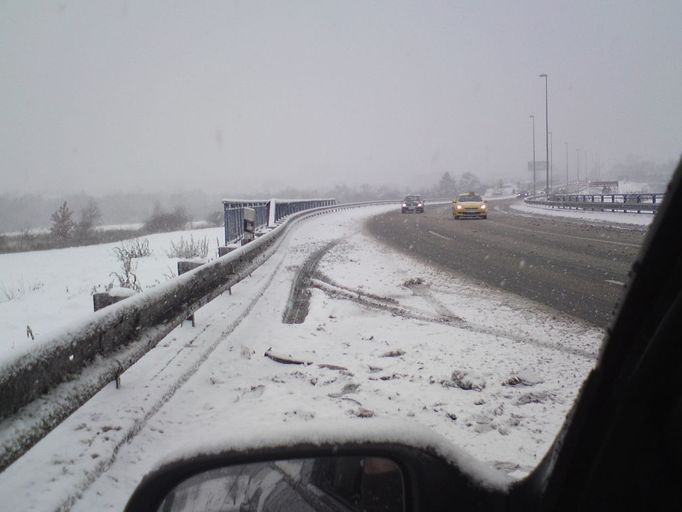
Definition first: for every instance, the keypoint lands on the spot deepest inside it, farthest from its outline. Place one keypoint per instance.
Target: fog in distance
(152, 97)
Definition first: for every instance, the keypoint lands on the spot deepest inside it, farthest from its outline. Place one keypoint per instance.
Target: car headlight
(420, 204)
(483, 207)
(459, 206)
(404, 205)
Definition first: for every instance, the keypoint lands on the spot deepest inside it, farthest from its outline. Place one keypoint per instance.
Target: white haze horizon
(259, 96)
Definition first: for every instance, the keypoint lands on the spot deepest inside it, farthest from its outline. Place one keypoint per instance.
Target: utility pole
(567, 167)
(533, 119)
(587, 168)
(544, 75)
(577, 161)
(551, 160)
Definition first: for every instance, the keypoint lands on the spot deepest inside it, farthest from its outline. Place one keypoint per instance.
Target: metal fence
(287, 207)
(603, 202)
(266, 215)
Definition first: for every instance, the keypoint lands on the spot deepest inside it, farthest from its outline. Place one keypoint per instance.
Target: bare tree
(90, 216)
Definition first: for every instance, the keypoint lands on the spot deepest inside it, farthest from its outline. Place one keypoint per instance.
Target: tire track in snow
(298, 303)
(440, 308)
(139, 423)
(446, 317)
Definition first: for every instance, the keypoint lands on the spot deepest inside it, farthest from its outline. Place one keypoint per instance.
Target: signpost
(540, 165)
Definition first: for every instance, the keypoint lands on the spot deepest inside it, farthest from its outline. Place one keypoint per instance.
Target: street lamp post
(533, 119)
(577, 163)
(567, 167)
(544, 75)
(551, 160)
(587, 168)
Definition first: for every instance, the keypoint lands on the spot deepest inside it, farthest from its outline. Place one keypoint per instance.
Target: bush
(127, 278)
(26, 241)
(216, 218)
(18, 290)
(137, 248)
(90, 216)
(126, 253)
(189, 249)
(161, 221)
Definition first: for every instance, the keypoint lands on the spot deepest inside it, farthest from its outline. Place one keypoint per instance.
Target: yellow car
(469, 205)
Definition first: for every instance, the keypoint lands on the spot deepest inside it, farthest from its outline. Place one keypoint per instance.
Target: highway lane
(576, 267)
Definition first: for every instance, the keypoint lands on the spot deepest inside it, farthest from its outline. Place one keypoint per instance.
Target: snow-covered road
(607, 217)
(386, 336)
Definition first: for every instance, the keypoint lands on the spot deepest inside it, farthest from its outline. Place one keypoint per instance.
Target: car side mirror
(331, 483)
(407, 473)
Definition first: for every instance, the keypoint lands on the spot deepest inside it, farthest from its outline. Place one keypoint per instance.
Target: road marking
(599, 240)
(439, 235)
(619, 283)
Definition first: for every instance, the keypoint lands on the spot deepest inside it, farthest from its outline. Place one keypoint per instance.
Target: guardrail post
(186, 266)
(103, 299)
(226, 224)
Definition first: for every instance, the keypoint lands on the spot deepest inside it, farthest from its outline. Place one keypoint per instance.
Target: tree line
(70, 226)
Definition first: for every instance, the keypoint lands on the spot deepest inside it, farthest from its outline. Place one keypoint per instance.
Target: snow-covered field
(386, 337)
(638, 219)
(47, 290)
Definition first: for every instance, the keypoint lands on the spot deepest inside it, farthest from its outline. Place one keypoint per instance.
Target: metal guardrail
(603, 202)
(265, 214)
(41, 388)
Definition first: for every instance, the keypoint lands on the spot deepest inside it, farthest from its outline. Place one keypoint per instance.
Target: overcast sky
(252, 96)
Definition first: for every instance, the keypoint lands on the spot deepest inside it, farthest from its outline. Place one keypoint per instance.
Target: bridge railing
(268, 212)
(603, 202)
(286, 207)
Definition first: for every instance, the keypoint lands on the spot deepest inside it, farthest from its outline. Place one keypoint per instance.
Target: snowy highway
(203, 255)
(385, 336)
(575, 266)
